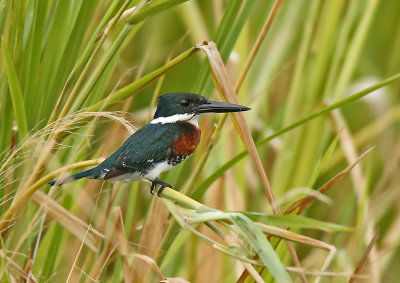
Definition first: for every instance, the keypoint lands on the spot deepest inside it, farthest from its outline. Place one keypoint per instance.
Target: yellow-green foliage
(280, 193)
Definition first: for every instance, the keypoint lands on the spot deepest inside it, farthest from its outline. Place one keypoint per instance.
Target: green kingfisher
(170, 138)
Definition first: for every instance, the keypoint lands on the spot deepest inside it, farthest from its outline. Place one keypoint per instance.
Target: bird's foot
(163, 185)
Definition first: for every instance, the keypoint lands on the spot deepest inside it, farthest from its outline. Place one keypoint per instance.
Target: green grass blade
(153, 10)
(299, 221)
(16, 93)
(255, 237)
(321, 163)
(6, 119)
(141, 83)
(203, 81)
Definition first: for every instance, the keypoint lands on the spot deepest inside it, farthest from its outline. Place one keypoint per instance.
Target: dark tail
(91, 173)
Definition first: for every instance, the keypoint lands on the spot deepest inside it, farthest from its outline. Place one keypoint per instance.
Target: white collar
(176, 118)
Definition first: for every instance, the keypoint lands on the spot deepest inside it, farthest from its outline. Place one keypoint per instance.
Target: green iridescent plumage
(148, 146)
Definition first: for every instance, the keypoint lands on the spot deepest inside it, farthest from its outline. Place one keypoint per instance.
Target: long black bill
(220, 107)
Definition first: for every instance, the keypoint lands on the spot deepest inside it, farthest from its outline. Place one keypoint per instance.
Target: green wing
(146, 147)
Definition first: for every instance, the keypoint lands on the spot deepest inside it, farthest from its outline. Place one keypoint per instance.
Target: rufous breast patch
(187, 143)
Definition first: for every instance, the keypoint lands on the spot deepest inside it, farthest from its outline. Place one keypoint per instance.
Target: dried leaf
(227, 92)
(364, 258)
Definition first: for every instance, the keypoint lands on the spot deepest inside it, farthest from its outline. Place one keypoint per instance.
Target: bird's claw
(161, 189)
(153, 185)
(163, 186)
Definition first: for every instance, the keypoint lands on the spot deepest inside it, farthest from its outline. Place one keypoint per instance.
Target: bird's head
(180, 106)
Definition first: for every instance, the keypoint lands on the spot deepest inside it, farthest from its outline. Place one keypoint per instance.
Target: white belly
(150, 175)
(157, 170)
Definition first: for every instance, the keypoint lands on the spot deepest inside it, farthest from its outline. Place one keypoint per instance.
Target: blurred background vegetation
(64, 64)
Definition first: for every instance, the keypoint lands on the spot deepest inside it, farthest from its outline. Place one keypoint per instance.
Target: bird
(170, 138)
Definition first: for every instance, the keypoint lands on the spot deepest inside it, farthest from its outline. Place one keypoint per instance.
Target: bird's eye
(184, 102)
